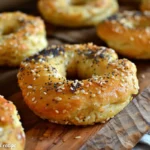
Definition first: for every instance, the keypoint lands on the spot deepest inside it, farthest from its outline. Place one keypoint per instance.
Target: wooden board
(121, 133)
(42, 135)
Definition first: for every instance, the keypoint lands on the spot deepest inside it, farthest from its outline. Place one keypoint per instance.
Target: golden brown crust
(21, 38)
(105, 87)
(11, 132)
(128, 33)
(145, 5)
(76, 13)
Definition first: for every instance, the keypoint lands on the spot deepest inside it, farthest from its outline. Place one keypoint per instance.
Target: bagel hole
(10, 28)
(77, 2)
(72, 76)
(8, 31)
(77, 70)
(75, 76)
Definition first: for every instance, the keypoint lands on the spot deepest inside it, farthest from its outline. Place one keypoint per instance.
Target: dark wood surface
(123, 131)
(120, 133)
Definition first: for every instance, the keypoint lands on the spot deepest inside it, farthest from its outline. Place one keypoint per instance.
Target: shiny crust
(105, 87)
(21, 36)
(128, 33)
(11, 132)
(145, 5)
(76, 13)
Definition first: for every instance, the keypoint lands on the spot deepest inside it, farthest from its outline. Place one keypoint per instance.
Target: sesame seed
(33, 99)
(77, 137)
(2, 118)
(83, 91)
(35, 102)
(90, 83)
(32, 71)
(38, 75)
(71, 88)
(77, 92)
(58, 98)
(147, 30)
(88, 117)
(75, 83)
(40, 60)
(61, 87)
(77, 118)
(87, 85)
(66, 122)
(93, 95)
(102, 82)
(45, 93)
(57, 111)
(1, 129)
(99, 92)
(29, 87)
(140, 36)
(122, 74)
(122, 80)
(75, 97)
(81, 83)
(59, 90)
(19, 137)
(131, 38)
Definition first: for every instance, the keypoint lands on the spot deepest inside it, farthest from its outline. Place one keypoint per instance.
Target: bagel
(50, 85)
(145, 5)
(21, 36)
(128, 33)
(11, 132)
(76, 13)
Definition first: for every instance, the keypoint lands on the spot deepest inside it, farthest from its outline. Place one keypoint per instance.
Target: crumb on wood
(41, 138)
(78, 137)
(143, 76)
(63, 140)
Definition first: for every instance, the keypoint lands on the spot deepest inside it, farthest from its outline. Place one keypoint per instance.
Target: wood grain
(42, 135)
(121, 133)
(124, 130)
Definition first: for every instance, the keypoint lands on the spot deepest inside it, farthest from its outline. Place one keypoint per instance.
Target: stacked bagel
(77, 13)
(21, 36)
(145, 5)
(128, 33)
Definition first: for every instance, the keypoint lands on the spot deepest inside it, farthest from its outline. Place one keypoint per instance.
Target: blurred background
(7, 5)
